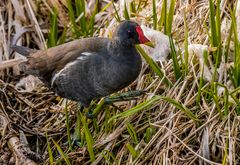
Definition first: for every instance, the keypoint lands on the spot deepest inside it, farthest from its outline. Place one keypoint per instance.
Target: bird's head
(130, 33)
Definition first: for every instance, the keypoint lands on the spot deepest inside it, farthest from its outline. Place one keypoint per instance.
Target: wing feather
(45, 63)
(75, 80)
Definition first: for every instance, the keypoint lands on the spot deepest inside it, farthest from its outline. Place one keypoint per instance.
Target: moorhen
(88, 68)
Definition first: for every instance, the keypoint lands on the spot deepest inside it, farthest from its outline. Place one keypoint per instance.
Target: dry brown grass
(27, 118)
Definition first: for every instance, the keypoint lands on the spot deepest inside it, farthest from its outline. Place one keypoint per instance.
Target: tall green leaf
(53, 32)
(154, 66)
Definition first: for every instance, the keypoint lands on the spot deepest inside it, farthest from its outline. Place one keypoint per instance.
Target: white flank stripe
(65, 68)
(86, 53)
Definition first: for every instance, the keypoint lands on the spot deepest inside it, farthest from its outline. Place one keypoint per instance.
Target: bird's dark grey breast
(125, 68)
(94, 75)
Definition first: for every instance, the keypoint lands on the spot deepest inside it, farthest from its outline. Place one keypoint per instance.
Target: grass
(186, 55)
(154, 17)
(88, 137)
(189, 114)
(62, 153)
(68, 126)
(154, 66)
(53, 32)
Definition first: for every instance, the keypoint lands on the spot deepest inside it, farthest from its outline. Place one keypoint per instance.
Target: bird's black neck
(117, 43)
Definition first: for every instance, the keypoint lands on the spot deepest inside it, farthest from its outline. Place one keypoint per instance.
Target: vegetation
(188, 115)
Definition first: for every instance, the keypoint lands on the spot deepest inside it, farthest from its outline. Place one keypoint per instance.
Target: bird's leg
(90, 113)
(130, 95)
(99, 106)
(89, 110)
(119, 97)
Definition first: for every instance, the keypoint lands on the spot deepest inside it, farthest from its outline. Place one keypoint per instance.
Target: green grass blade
(77, 131)
(233, 94)
(225, 156)
(139, 6)
(51, 159)
(182, 108)
(151, 102)
(111, 155)
(218, 29)
(62, 38)
(201, 80)
(108, 155)
(72, 17)
(163, 18)
(131, 149)
(133, 7)
(236, 69)
(116, 15)
(80, 10)
(53, 32)
(99, 106)
(173, 53)
(92, 19)
(136, 109)
(154, 14)
(213, 37)
(108, 126)
(106, 7)
(126, 14)
(227, 45)
(132, 133)
(170, 17)
(64, 156)
(89, 138)
(212, 95)
(68, 126)
(226, 96)
(215, 28)
(148, 135)
(185, 44)
(154, 66)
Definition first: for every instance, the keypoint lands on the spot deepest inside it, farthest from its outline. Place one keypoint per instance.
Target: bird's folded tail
(23, 50)
(25, 66)
(17, 61)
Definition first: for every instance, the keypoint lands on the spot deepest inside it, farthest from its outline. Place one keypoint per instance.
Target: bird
(86, 69)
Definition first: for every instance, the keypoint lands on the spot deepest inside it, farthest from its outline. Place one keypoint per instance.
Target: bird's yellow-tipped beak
(142, 38)
(149, 43)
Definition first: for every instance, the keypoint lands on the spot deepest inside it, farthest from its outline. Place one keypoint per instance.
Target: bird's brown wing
(23, 50)
(45, 63)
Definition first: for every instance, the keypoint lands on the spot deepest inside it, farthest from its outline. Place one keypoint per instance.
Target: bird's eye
(130, 34)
